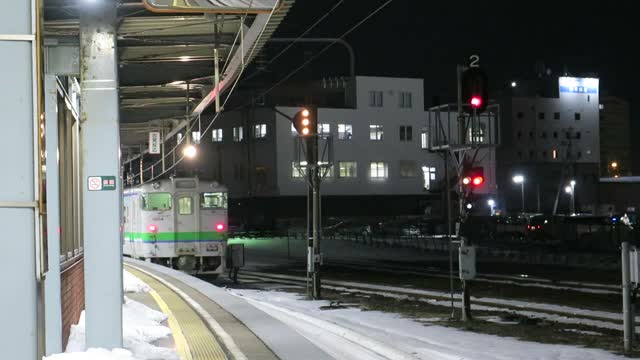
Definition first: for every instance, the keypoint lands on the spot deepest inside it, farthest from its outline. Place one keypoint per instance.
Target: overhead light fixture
(185, 58)
(190, 151)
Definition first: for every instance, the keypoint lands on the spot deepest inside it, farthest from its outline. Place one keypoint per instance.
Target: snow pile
(132, 284)
(141, 328)
(372, 335)
(94, 354)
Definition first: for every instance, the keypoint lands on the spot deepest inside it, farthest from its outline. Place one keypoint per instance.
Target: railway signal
(475, 88)
(305, 122)
(474, 177)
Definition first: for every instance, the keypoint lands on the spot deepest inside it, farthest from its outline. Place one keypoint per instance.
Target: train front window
(156, 202)
(213, 200)
(185, 206)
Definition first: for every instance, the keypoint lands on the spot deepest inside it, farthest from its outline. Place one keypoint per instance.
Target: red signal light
(476, 101)
(152, 228)
(220, 227)
(478, 180)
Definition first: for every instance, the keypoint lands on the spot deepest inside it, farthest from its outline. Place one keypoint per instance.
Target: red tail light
(220, 227)
(152, 228)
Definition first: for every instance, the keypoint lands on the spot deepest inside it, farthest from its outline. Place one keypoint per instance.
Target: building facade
(550, 136)
(381, 162)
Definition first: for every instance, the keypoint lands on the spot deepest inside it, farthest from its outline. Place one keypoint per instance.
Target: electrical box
(467, 262)
(235, 255)
(634, 264)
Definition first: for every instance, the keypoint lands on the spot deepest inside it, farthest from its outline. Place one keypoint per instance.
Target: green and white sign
(101, 183)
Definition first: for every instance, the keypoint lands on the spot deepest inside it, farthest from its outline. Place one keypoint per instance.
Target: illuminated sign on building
(578, 85)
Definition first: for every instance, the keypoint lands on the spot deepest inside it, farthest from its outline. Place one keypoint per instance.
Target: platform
(209, 323)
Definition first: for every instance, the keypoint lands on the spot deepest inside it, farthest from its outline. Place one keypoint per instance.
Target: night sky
(426, 41)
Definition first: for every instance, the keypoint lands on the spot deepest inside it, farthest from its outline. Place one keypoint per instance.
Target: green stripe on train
(176, 236)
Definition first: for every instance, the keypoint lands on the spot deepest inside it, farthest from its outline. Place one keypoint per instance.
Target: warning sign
(101, 183)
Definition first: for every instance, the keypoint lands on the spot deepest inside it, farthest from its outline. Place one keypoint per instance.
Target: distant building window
(544, 154)
(519, 115)
(347, 169)
(544, 134)
(554, 154)
(408, 168)
(196, 137)
(424, 138)
(520, 155)
(345, 131)
(376, 132)
(238, 134)
(579, 154)
(405, 99)
(298, 169)
(378, 170)
(519, 134)
(555, 134)
(556, 116)
(567, 135)
(476, 135)
(325, 170)
(530, 134)
(375, 98)
(532, 154)
(578, 135)
(324, 129)
(216, 135)
(260, 131)
(540, 116)
(429, 174)
(406, 133)
(576, 116)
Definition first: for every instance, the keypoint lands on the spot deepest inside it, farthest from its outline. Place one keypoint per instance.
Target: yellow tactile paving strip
(193, 339)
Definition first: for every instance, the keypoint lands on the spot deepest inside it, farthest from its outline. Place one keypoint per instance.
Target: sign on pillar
(154, 142)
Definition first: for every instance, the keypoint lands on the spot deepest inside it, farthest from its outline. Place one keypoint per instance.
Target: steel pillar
(19, 272)
(52, 285)
(100, 141)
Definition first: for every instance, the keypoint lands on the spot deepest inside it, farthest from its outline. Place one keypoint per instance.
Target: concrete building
(550, 136)
(615, 137)
(381, 164)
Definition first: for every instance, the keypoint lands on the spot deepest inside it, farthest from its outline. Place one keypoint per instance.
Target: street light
(519, 179)
(492, 205)
(514, 84)
(614, 165)
(571, 190)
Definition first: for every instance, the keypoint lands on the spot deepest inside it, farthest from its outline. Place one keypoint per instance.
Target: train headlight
(212, 247)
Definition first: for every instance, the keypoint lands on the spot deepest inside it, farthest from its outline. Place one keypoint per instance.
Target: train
(181, 223)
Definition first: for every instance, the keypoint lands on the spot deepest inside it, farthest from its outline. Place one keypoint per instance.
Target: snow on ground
(132, 284)
(372, 335)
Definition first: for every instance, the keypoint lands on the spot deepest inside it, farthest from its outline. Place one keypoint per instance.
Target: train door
(186, 229)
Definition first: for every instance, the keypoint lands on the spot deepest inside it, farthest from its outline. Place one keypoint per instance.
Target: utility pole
(315, 184)
(627, 313)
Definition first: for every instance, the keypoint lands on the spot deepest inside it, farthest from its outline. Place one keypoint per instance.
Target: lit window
(345, 131)
(424, 139)
(347, 169)
(213, 200)
(195, 136)
(325, 170)
(408, 168)
(429, 174)
(324, 129)
(156, 202)
(375, 132)
(298, 170)
(405, 99)
(476, 135)
(238, 134)
(179, 136)
(216, 135)
(601, 106)
(378, 170)
(260, 131)
(185, 206)
(554, 154)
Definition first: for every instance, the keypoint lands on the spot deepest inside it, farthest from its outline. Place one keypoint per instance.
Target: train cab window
(185, 206)
(156, 201)
(213, 200)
